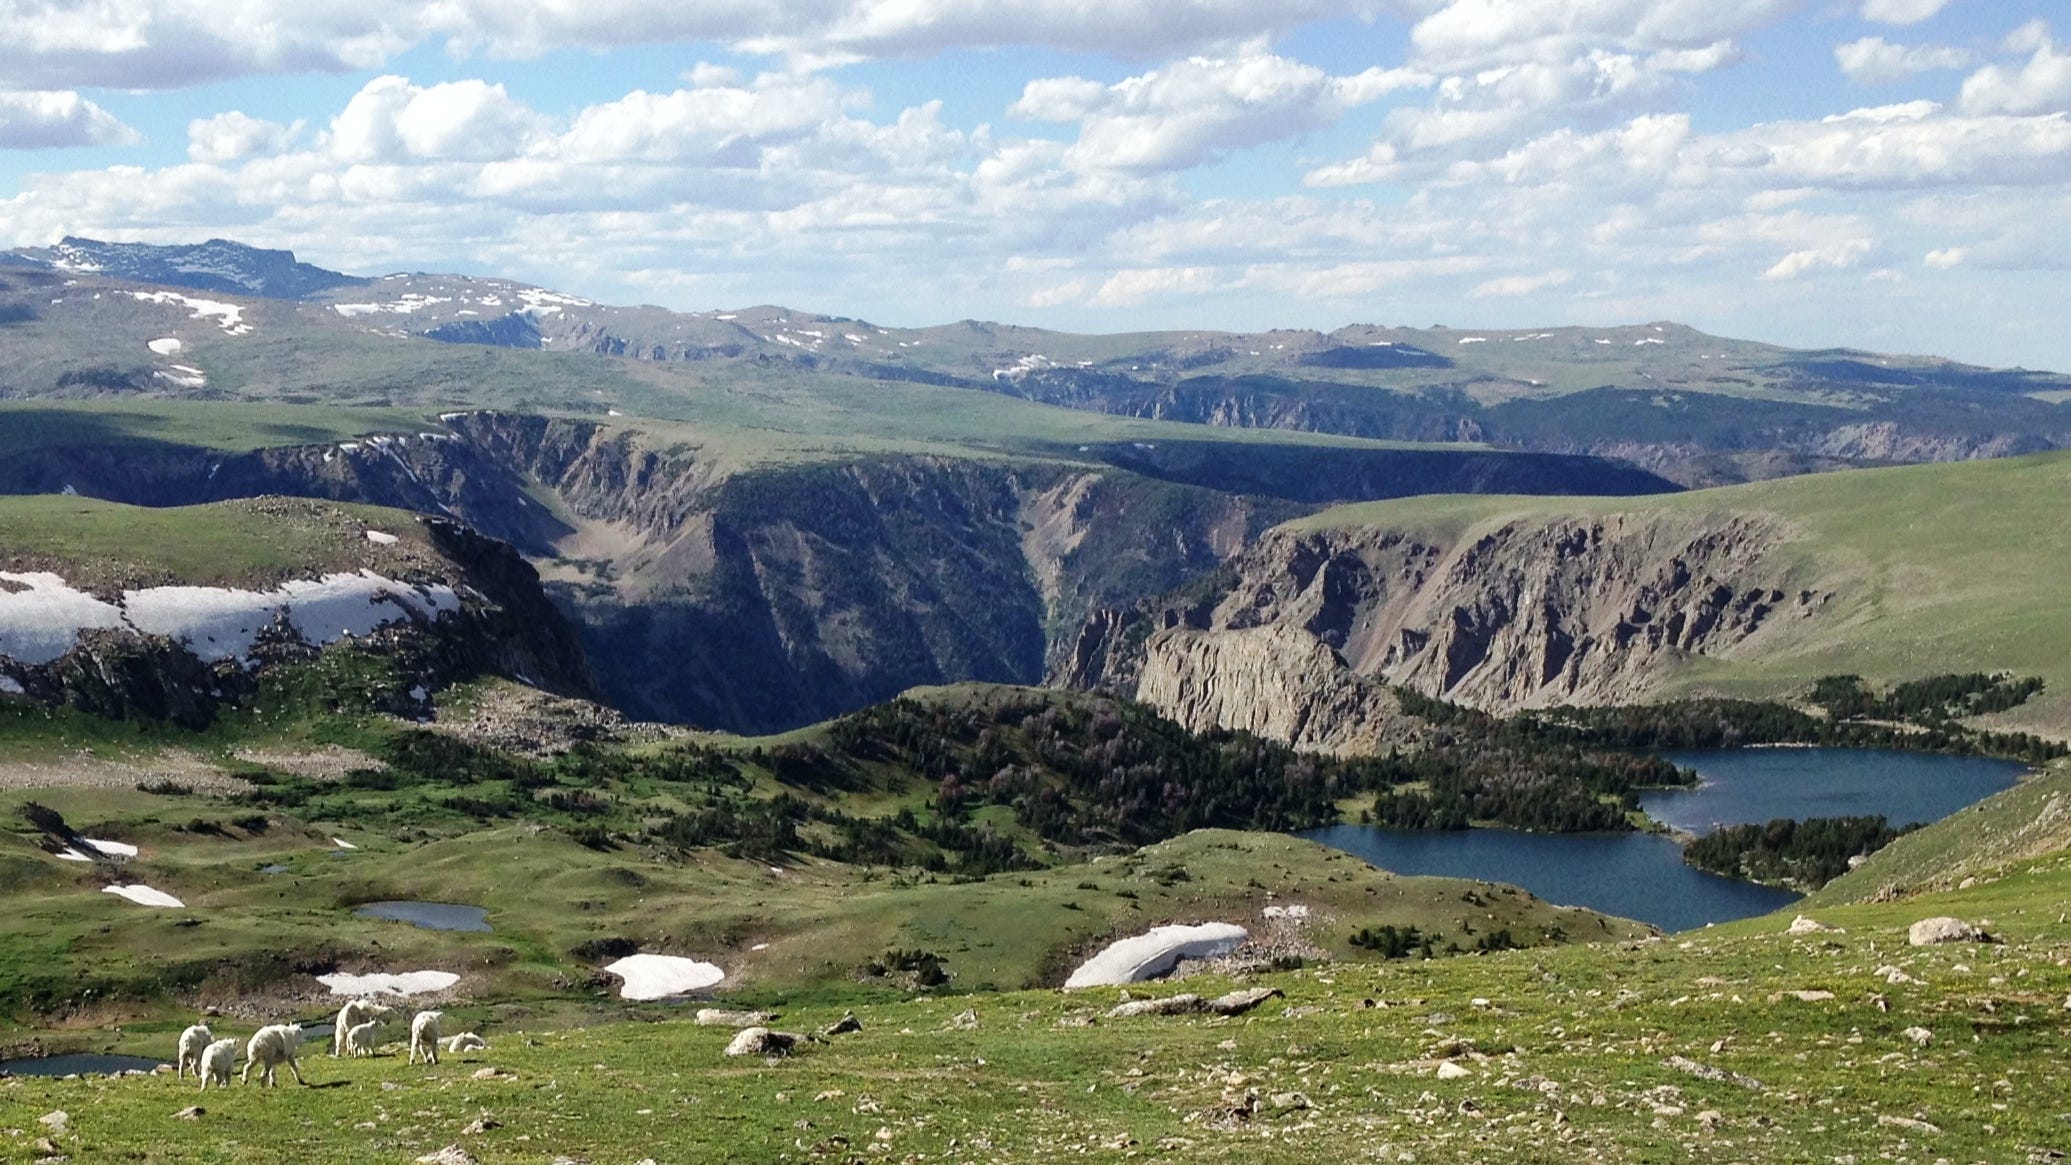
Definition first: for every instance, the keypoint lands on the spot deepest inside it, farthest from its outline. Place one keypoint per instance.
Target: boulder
(1170, 1005)
(1804, 925)
(1929, 931)
(760, 1041)
(1239, 1002)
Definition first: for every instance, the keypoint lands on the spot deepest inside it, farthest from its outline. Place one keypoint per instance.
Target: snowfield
(404, 983)
(661, 976)
(1156, 952)
(42, 617)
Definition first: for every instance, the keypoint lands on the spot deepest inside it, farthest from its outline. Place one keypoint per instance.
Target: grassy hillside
(104, 545)
(1615, 1052)
(1936, 569)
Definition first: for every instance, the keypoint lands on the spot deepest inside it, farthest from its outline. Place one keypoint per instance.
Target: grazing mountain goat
(363, 1037)
(466, 1042)
(216, 1062)
(424, 1035)
(269, 1048)
(353, 1014)
(192, 1042)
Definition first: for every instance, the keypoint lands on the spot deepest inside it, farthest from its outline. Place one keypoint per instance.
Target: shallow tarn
(430, 915)
(78, 1064)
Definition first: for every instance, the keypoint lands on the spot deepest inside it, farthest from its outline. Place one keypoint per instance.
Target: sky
(1885, 174)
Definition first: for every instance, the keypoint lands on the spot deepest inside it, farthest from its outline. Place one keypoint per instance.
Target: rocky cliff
(1297, 637)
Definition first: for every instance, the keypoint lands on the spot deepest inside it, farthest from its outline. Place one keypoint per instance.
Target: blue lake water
(1745, 786)
(1643, 876)
(429, 915)
(1632, 875)
(78, 1063)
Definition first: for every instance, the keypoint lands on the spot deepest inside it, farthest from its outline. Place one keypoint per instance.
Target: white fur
(353, 1014)
(216, 1062)
(466, 1042)
(360, 1041)
(424, 1036)
(192, 1042)
(269, 1048)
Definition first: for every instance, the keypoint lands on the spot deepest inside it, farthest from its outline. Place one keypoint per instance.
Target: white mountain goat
(466, 1042)
(424, 1036)
(363, 1038)
(269, 1048)
(216, 1062)
(353, 1014)
(192, 1042)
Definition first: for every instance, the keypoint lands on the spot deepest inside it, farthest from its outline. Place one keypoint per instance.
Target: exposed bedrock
(1298, 638)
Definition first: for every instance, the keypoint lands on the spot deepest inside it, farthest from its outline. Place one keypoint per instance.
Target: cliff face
(1507, 615)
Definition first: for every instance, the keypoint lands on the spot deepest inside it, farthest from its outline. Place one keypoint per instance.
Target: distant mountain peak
(217, 265)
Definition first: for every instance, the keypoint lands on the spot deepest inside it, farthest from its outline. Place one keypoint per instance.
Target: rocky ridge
(1300, 636)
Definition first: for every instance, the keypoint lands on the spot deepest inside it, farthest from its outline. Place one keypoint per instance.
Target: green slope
(1937, 569)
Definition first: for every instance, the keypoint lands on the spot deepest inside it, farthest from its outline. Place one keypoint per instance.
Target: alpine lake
(1643, 875)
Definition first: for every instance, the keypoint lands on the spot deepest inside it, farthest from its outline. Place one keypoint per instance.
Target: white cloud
(164, 44)
(390, 120)
(1191, 111)
(1876, 61)
(1134, 286)
(1901, 11)
(233, 136)
(1515, 285)
(1841, 254)
(1947, 257)
(1477, 34)
(51, 119)
(2043, 85)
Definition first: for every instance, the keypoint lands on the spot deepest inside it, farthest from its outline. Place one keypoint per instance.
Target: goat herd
(357, 1033)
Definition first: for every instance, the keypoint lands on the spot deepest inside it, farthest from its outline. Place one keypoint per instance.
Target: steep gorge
(759, 597)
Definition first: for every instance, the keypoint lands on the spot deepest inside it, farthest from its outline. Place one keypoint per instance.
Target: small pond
(1752, 786)
(429, 915)
(78, 1064)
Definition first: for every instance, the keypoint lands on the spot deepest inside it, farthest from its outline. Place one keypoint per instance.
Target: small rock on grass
(192, 1112)
(450, 1155)
(1929, 931)
(1918, 1035)
(55, 1121)
(1451, 1071)
(760, 1041)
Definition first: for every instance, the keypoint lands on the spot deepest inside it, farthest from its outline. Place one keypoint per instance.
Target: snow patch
(43, 622)
(661, 976)
(9, 686)
(1155, 953)
(228, 316)
(118, 849)
(1649, 340)
(1474, 339)
(341, 843)
(382, 538)
(165, 345)
(1295, 911)
(72, 855)
(384, 982)
(144, 895)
